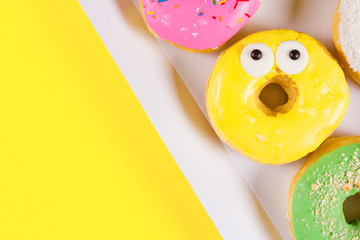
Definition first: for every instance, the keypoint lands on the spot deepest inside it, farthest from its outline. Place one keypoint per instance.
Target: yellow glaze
(321, 104)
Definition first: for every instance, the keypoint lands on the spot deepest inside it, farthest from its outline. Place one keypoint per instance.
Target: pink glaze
(198, 24)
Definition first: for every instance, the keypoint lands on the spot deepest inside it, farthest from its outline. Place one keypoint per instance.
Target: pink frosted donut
(197, 25)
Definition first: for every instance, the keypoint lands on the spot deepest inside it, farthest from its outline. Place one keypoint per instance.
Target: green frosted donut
(318, 191)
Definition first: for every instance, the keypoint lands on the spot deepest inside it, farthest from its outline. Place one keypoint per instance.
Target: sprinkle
(260, 138)
(349, 174)
(236, 4)
(314, 187)
(150, 13)
(347, 187)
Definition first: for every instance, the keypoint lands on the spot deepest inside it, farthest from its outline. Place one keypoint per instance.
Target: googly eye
(257, 59)
(292, 57)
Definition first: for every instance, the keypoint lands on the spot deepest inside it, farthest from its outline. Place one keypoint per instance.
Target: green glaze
(319, 195)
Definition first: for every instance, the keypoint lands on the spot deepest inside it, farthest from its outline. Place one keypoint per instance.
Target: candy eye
(257, 59)
(292, 57)
(256, 54)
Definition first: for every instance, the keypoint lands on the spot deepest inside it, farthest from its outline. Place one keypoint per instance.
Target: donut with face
(276, 95)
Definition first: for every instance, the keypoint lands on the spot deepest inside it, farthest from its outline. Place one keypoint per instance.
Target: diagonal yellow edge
(79, 159)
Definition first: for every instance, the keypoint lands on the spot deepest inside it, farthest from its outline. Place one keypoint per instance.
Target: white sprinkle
(260, 137)
(314, 187)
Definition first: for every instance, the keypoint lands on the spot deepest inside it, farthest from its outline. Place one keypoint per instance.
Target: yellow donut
(297, 66)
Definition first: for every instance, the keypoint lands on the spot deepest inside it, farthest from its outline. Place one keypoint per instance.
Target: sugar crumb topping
(327, 193)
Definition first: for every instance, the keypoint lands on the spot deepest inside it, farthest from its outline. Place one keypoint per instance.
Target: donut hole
(278, 95)
(351, 209)
(273, 96)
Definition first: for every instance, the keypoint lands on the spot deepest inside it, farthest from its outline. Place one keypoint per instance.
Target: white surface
(214, 177)
(270, 184)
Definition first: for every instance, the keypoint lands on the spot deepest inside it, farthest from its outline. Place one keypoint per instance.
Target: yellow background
(79, 158)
